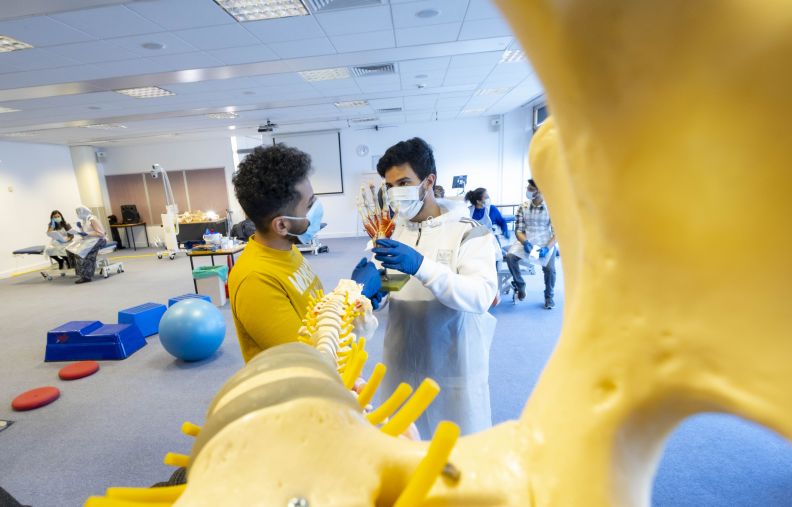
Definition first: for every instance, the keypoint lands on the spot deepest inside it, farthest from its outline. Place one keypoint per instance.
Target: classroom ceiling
(382, 62)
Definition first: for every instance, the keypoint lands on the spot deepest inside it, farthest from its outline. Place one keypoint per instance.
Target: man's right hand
(527, 246)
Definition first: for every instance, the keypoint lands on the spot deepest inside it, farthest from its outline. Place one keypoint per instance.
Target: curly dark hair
(265, 182)
(474, 196)
(414, 151)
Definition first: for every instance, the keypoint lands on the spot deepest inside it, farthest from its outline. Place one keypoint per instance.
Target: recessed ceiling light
(152, 45)
(427, 13)
(105, 126)
(491, 91)
(232, 127)
(230, 115)
(11, 44)
(512, 56)
(145, 92)
(325, 74)
(252, 10)
(351, 104)
(8, 110)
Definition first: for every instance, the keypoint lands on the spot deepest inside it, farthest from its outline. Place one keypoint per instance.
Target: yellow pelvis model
(667, 166)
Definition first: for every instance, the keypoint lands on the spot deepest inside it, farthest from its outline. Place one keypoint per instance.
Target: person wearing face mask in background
(483, 212)
(438, 325)
(533, 229)
(89, 238)
(271, 282)
(59, 233)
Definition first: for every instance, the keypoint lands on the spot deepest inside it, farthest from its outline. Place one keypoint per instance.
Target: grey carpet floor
(113, 428)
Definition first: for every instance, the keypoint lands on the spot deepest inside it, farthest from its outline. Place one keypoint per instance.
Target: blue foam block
(145, 317)
(174, 300)
(83, 340)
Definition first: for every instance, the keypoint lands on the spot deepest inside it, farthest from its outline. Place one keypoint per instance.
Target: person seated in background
(58, 232)
(88, 240)
(483, 212)
(533, 228)
(272, 282)
(439, 192)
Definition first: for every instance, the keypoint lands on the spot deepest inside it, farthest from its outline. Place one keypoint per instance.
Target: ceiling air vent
(364, 119)
(334, 5)
(373, 70)
(389, 110)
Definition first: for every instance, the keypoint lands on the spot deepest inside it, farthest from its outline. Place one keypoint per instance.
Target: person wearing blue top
(483, 212)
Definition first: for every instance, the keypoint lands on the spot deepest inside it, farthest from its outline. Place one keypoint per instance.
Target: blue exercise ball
(192, 329)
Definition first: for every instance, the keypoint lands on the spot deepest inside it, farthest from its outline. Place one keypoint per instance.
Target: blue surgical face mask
(314, 218)
(57, 220)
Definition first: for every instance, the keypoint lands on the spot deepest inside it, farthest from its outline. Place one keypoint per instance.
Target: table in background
(229, 253)
(131, 237)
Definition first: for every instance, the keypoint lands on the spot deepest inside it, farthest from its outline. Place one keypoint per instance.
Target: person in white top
(90, 238)
(59, 232)
(438, 324)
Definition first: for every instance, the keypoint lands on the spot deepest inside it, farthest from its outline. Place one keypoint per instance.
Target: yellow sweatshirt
(269, 291)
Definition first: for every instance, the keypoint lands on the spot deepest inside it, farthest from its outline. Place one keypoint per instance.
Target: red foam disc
(78, 370)
(35, 398)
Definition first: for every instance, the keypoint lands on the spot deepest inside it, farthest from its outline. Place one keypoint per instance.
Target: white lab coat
(438, 324)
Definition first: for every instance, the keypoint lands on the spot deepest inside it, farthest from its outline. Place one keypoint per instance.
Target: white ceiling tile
(108, 22)
(301, 48)
(420, 102)
(179, 14)
(284, 29)
(514, 70)
(247, 54)
(93, 52)
(447, 115)
(427, 34)
(363, 41)
(347, 21)
(284, 79)
(41, 31)
(80, 99)
(484, 28)
(482, 9)
(49, 76)
(407, 67)
(472, 75)
(419, 117)
(490, 58)
(337, 87)
(32, 59)
(196, 60)
(172, 45)
(129, 68)
(386, 103)
(450, 11)
(217, 37)
(373, 84)
(445, 103)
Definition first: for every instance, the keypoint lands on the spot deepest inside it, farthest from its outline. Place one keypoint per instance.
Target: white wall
(42, 178)
(173, 156)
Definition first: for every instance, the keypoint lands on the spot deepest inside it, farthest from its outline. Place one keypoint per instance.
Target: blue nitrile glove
(398, 256)
(376, 299)
(79, 225)
(83, 234)
(366, 273)
(527, 246)
(543, 251)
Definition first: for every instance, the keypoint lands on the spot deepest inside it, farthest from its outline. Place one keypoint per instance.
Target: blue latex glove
(366, 273)
(398, 256)
(79, 225)
(83, 234)
(376, 299)
(543, 251)
(527, 246)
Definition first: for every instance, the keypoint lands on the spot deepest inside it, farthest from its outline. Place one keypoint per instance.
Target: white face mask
(407, 200)
(487, 202)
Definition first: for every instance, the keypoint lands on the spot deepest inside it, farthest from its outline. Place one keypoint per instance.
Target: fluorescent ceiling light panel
(146, 92)
(11, 44)
(253, 10)
(29, 133)
(105, 126)
(325, 74)
(512, 56)
(8, 110)
(492, 91)
(230, 115)
(351, 104)
(365, 119)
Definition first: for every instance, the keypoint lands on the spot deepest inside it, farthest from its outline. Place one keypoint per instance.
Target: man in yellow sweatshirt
(271, 283)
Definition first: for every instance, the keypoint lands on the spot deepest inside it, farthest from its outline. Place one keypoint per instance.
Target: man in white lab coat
(438, 324)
